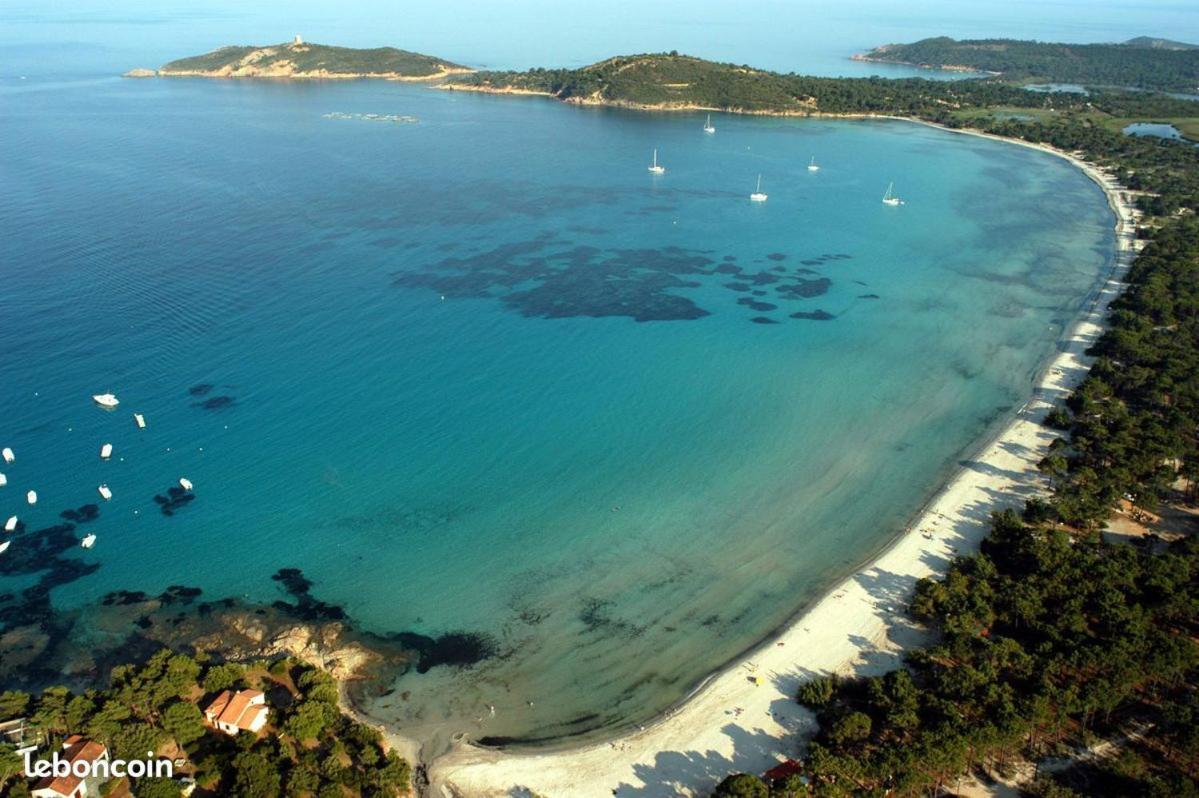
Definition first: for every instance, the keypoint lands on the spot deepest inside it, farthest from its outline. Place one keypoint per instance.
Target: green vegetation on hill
(669, 80)
(666, 79)
(299, 59)
(1159, 44)
(308, 748)
(1138, 64)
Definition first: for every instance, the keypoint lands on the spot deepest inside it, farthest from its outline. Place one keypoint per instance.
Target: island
(305, 60)
(1142, 63)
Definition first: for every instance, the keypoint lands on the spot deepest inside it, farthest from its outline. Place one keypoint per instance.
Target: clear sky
(800, 35)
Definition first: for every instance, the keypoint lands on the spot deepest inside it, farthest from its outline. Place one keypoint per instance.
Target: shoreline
(727, 723)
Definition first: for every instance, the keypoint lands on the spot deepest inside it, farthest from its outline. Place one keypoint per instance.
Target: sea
(473, 369)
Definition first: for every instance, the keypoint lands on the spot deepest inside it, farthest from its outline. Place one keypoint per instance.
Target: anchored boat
(889, 198)
(655, 168)
(758, 196)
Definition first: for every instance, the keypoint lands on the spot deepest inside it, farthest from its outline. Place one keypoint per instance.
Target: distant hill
(1143, 63)
(663, 80)
(304, 60)
(1160, 44)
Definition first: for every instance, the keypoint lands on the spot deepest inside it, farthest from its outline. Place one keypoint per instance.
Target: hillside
(667, 80)
(1159, 44)
(304, 60)
(1142, 63)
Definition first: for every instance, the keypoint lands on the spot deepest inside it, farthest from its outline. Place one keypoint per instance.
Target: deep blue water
(484, 372)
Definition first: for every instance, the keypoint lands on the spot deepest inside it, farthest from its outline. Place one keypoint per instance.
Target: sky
(789, 35)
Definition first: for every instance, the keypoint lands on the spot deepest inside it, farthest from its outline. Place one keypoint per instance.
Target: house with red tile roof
(233, 713)
(75, 749)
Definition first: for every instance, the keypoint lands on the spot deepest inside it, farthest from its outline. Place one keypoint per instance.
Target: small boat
(655, 168)
(88, 541)
(185, 483)
(10, 524)
(105, 492)
(758, 196)
(140, 420)
(889, 198)
(3, 480)
(106, 451)
(4, 546)
(31, 497)
(812, 167)
(106, 400)
(708, 125)
(8, 455)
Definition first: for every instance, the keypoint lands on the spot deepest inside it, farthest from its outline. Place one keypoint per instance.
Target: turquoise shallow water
(588, 449)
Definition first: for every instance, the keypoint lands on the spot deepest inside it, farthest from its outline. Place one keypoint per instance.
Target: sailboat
(758, 196)
(708, 125)
(658, 170)
(812, 167)
(889, 198)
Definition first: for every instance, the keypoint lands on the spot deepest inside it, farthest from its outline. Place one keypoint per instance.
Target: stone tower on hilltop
(297, 40)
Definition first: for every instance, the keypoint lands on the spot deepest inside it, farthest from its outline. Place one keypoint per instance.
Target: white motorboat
(4, 546)
(31, 497)
(7, 454)
(106, 400)
(140, 420)
(106, 451)
(88, 541)
(185, 483)
(11, 524)
(105, 492)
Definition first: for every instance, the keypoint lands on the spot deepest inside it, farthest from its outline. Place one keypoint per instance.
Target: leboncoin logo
(105, 768)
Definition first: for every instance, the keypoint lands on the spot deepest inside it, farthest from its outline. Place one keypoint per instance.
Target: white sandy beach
(733, 724)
